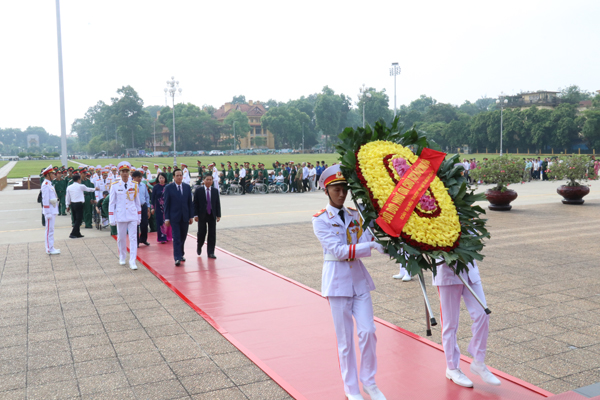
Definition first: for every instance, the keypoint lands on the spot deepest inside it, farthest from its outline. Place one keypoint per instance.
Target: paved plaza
(79, 325)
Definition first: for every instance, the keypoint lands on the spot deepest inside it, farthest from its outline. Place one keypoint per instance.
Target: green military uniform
(60, 185)
(169, 177)
(87, 205)
(113, 229)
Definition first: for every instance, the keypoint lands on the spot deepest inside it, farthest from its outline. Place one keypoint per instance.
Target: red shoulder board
(319, 213)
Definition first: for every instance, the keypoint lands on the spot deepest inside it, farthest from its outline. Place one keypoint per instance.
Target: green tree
(440, 112)
(241, 99)
(328, 112)
(286, 125)
(242, 127)
(194, 128)
(591, 128)
(422, 103)
(574, 94)
(376, 106)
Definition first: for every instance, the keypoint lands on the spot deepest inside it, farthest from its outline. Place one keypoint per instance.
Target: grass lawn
(2, 163)
(267, 159)
(25, 168)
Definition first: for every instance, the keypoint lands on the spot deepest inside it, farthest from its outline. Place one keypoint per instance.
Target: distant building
(257, 137)
(540, 99)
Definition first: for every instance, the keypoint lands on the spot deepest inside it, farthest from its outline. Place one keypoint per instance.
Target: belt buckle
(351, 259)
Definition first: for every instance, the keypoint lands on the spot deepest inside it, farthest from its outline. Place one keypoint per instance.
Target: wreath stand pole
(428, 313)
(470, 289)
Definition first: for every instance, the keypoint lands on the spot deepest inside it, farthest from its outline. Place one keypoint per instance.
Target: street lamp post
(154, 137)
(395, 70)
(362, 94)
(502, 101)
(172, 89)
(234, 146)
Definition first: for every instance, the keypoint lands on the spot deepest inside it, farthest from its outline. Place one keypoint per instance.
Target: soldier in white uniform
(125, 211)
(451, 289)
(50, 209)
(186, 173)
(158, 170)
(347, 284)
(215, 175)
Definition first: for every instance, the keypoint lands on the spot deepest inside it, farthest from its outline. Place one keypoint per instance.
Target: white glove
(378, 247)
(53, 202)
(112, 221)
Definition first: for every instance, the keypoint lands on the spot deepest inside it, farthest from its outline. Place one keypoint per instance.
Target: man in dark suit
(179, 212)
(207, 209)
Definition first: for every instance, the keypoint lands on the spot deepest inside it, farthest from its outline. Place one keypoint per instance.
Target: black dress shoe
(73, 237)
(199, 251)
(177, 263)
(80, 236)
(183, 259)
(212, 256)
(146, 243)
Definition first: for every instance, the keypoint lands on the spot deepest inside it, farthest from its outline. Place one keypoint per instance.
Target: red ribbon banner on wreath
(407, 193)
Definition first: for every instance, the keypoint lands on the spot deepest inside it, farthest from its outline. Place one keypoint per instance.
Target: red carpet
(286, 329)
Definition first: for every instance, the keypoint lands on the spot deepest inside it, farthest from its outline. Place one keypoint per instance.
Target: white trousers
(122, 229)
(50, 219)
(343, 309)
(450, 304)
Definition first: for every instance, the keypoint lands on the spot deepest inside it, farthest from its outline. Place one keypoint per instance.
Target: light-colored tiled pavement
(79, 325)
(541, 277)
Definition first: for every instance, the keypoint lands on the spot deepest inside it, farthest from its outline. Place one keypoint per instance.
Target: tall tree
(286, 123)
(376, 106)
(241, 99)
(242, 127)
(574, 94)
(328, 111)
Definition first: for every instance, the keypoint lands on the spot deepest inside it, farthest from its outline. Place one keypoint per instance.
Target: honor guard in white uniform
(451, 289)
(158, 170)
(114, 173)
(50, 208)
(125, 211)
(215, 175)
(186, 173)
(347, 284)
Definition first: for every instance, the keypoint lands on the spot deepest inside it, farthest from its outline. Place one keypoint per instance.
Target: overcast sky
(451, 50)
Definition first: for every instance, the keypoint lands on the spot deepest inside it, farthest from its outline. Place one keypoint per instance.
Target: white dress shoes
(354, 396)
(133, 265)
(457, 376)
(399, 276)
(122, 262)
(54, 252)
(407, 278)
(374, 392)
(479, 368)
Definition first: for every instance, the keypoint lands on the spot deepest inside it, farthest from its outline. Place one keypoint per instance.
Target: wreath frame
(473, 227)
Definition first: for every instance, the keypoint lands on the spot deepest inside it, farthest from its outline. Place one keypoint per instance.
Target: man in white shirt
(305, 171)
(243, 179)
(74, 201)
(186, 173)
(215, 175)
(312, 175)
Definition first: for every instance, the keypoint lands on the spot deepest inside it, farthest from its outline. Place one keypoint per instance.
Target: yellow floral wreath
(440, 231)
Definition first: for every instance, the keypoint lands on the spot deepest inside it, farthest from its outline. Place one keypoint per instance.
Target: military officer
(60, 186)
(157, 169)
(169, 174)
(451, 289)
(50, 208)
(125, 211)
(347, 284)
